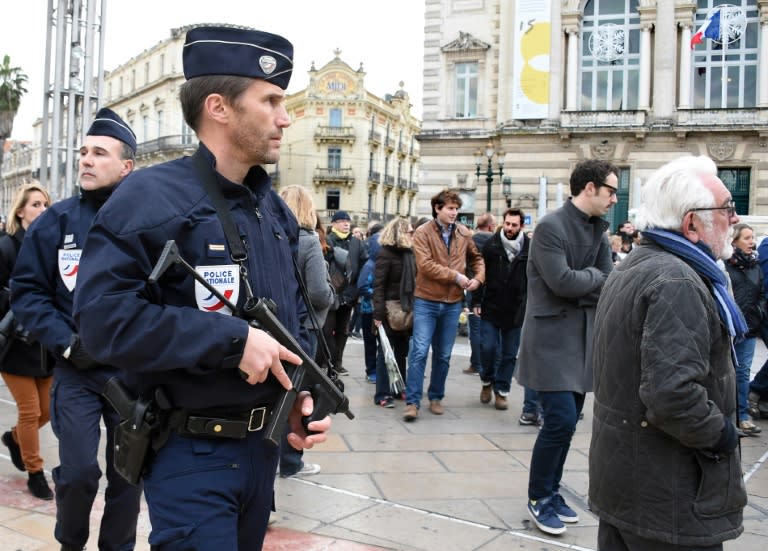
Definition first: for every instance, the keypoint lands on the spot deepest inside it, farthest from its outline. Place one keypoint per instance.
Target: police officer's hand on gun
(261, 355)
(298, 437)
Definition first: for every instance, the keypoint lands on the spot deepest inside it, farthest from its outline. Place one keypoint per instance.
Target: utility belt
(145, 425)
(218, 423)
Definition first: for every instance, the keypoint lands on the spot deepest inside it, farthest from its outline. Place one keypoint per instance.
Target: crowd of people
(647, 319)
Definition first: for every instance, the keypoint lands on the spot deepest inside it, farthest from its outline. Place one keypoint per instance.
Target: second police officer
(206, 489)
(42, 288)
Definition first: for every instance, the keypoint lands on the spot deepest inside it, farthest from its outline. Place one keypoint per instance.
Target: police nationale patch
(69, 263)
(225, 279)
(267, 64)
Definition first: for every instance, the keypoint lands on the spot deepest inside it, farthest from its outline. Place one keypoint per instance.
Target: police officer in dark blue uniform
(42, 288)
(207, 487)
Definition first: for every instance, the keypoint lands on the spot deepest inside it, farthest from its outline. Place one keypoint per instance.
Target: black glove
(78, 355)
(729, 439)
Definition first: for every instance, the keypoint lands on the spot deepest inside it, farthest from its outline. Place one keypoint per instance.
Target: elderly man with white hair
(664, 465)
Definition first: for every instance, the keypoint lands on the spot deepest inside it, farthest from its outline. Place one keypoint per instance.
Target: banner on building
(531, 45)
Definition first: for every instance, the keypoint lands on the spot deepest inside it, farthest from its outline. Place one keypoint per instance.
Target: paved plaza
(451, 482)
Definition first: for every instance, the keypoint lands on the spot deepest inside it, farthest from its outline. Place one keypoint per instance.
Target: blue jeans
(434, 323)
(745, 352)
(507, 341)
(531, 401)
(561, 412)
(475, 341)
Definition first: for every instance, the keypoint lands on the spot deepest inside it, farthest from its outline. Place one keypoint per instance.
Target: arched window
(610, 55)
(725, 68)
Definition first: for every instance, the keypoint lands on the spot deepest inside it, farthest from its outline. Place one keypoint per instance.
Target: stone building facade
(356, 151)
(545, 84)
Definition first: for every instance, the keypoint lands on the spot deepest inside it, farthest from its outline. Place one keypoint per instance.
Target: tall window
(161, 65)
(186, 133)
(334, 157)
(146, 73)
(159, 123)
(466, 90)
(725, 69)
(145, 127)
(737, 182)
(610, 55)
(620, 210)
(334, 117)
(332, 199)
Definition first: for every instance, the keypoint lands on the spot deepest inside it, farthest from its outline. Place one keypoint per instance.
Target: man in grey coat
(568, 262)
(664, 467)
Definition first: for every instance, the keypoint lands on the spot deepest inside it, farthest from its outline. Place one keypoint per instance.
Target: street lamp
(506, 189)
(489, 172)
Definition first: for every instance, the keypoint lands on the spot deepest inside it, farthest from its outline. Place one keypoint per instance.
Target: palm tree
(12, 81)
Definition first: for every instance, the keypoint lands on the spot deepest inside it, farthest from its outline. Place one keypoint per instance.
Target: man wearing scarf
(500, 302)
(664, 466)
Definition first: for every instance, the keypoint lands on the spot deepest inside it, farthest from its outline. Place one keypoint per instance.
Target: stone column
(644, 94)
(763, 55)
(572, 70)
(685, 67)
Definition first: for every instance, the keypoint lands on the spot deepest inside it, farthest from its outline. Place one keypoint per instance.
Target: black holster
(140, 433)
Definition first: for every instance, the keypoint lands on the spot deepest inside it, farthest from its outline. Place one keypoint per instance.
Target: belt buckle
(257, 418)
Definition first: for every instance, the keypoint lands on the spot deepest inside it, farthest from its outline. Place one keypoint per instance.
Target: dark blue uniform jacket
(46, 271)
(165, 334)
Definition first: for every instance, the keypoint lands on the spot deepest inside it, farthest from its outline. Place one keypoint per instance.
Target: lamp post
(506, 189)
(489, 152)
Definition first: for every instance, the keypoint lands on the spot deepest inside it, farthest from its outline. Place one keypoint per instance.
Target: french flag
(710, 28)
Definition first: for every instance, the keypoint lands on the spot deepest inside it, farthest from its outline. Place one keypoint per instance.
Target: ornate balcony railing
(167, 143)
(335, 134)
(722, 117)
(333, 176)
(593, 119)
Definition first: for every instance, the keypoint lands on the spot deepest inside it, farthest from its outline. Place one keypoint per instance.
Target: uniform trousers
(77, 407)
(211, 493)
(32, 395)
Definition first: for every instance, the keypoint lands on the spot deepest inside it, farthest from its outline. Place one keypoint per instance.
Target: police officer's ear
(127, 168)
(216, 108)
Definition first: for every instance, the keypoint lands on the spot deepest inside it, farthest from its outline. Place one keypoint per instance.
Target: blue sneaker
(564, 513)
(371, 378)
(544, 516)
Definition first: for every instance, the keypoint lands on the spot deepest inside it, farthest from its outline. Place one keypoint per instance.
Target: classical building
(529, 88)
(357, 151)
(17, 169)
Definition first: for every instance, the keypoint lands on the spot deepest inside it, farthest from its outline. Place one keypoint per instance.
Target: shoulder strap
(8, 253)
(236, 247)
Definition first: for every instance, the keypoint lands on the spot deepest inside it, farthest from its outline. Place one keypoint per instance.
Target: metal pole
(488, 181)
(46, 98)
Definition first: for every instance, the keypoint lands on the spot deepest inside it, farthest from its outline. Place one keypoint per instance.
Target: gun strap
(236, 245)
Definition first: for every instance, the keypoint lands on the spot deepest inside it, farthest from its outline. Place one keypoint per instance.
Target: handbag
(397, 318)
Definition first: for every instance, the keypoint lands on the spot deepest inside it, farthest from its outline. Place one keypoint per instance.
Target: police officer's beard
(254, 145)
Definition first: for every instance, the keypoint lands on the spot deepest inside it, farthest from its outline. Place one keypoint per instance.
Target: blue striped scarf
(699, 257)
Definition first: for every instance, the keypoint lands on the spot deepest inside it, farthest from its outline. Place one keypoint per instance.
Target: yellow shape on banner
(535, 82)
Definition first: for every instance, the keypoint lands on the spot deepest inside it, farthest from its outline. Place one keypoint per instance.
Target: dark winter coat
(662, 462)
(568, 263)
(387, 283)
(357, 257)
(22, 358)
(502, 297)
(747, 284)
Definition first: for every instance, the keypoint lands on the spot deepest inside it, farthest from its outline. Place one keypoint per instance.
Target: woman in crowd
(394, 280)
(314, 272)
(747, 282)
(27, 377)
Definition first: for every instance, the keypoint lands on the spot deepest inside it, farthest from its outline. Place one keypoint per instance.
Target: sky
(388, 38)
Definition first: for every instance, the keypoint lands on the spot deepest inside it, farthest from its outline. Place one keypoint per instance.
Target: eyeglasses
(730, 209)
(611, 190)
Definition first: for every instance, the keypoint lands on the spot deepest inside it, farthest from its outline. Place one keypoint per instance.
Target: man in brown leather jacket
(443, 251)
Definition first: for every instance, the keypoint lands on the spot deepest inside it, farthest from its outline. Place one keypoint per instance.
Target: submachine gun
(259, 312)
